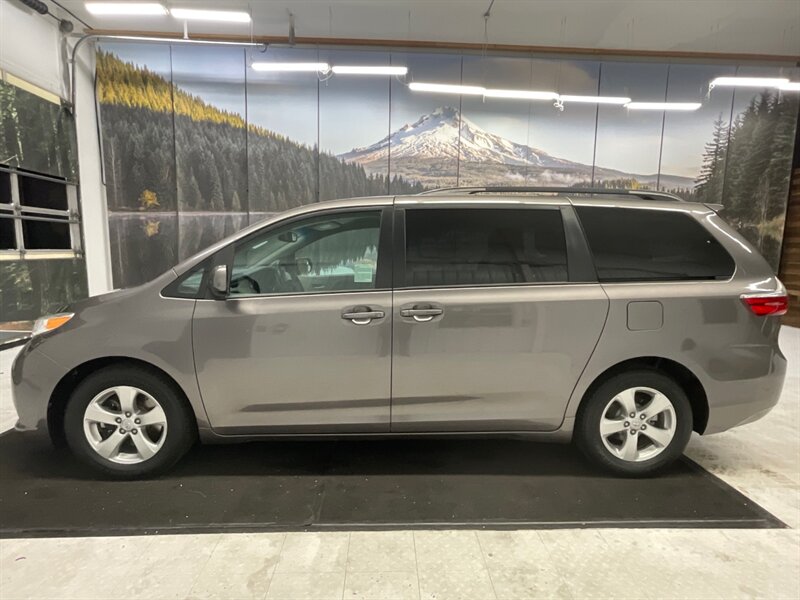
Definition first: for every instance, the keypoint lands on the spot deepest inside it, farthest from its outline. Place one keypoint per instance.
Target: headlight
(50, 322)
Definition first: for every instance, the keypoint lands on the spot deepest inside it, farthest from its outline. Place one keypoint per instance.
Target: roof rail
(643, 194)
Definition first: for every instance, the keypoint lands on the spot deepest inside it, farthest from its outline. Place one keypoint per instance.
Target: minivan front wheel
(127, 422)
(635, 423)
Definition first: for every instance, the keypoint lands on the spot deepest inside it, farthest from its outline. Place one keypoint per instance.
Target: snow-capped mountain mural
(418, 149)
(196, 145)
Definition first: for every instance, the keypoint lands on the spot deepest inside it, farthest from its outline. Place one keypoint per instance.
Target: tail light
(767, 305)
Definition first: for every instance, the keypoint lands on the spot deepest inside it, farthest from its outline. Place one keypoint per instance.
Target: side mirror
(219, 280)
(304, 266)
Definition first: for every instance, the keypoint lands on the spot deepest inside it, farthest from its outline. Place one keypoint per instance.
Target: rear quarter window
(632, 244)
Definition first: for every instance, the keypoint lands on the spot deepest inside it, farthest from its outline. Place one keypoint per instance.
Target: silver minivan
(622, 320)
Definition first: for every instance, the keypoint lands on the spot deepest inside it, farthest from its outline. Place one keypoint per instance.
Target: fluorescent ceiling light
(368, 70)
(172, 40)
(663, 105)
(126, 8)
(521, 94)
(790, 86)
(196, 14)
(749, 82)
(595, 99)
(291, 66)
(444, 88)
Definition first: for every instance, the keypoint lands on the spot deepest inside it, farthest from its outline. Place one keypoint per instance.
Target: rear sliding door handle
(421, 315)
(363, 317)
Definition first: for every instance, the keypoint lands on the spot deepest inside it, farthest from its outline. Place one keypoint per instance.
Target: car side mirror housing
(219, 281)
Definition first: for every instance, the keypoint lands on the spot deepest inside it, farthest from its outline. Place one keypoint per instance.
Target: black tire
(181, 431)
(587, 427)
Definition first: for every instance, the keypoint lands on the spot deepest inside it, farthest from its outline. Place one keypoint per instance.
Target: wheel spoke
(611, 426)
(629, 449)
(627, 400)
(657, 405)
(109, 447)
(145, 447)
(127, 397)
(660, 437)
(99, 414)
(155, 416)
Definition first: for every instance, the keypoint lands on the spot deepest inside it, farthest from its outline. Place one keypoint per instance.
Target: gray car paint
(704, 327)
(292, 363)
(497, 359)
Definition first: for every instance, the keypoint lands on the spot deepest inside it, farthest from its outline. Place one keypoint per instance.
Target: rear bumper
(742, 401)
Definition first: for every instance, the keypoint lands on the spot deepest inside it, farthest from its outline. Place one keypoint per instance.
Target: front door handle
(362, 315)
(421, 314)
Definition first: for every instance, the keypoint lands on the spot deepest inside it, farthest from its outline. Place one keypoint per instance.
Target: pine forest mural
(196, 144)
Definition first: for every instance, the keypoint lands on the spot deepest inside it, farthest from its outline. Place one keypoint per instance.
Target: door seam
(194, 364)
(589, 359)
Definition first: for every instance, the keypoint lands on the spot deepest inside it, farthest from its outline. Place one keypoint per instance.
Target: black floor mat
(430, 483)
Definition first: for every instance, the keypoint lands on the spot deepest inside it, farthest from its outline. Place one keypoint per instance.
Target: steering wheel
(252, 283)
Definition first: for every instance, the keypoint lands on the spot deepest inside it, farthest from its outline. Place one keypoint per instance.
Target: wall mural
(197, 143)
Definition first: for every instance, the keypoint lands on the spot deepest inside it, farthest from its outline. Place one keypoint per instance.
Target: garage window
(38, 216)
(631, 244)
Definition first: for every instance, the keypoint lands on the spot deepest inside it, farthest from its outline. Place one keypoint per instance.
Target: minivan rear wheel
(128, 422)
(635, 423)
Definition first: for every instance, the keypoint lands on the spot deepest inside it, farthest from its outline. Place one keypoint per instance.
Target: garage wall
(197, 144)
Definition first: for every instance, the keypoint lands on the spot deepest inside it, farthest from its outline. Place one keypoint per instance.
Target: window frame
(580, 267)
(383, 272)
(20, 213)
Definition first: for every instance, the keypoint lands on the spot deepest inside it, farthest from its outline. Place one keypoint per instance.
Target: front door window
(329, 253)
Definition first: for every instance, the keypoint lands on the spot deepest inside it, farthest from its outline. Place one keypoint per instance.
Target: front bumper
(34, 376)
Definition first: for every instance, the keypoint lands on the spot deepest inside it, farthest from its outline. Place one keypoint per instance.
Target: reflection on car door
(302, 343)
(490, 334)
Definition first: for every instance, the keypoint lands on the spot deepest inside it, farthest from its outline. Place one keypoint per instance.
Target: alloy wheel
(638, 424)
(125, 425)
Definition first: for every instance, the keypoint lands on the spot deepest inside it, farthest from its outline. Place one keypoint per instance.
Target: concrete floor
(762, 460)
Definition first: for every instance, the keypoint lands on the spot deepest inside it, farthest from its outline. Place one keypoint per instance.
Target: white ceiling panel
(724, 26)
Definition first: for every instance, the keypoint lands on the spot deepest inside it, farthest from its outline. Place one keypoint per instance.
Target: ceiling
(769, 27)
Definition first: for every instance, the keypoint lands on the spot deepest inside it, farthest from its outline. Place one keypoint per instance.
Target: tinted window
(42, 193)
(5, 188)
(652, 245)
(478, 246)
(45, 235)
(331, 253)
(7, 235)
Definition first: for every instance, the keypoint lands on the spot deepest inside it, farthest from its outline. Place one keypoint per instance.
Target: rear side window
(478, 246)
(632, 244)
